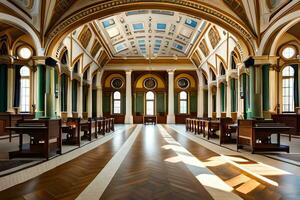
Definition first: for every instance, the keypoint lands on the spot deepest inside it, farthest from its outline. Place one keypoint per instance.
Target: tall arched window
(183, 102)
(150, 103)
(116, 102)
(25, 89)
(288, 89)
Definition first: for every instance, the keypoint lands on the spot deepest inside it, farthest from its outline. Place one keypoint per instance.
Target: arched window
(222, 68)
(150, 103)
(288, 89)
(183, 102)
(116, 102)
(25, 89)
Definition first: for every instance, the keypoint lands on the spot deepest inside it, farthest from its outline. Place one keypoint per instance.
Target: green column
(266, 96)
(40, 104)
(233, 95)
(255, 91)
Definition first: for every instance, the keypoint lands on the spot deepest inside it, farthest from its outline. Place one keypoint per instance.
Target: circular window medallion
(289, 52)
(183, 83)
(150, 83)
(24, 52)
(117, 83)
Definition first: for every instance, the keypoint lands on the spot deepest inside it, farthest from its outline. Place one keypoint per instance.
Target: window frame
(116, 100)
(290, 87)
(150, 100)
(186, 100)
(26, 78)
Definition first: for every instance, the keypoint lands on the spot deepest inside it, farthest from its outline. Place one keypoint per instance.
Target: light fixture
(24, 52)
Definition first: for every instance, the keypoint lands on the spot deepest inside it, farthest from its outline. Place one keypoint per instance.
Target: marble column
(40, 95)
(228, 98)
(128, 115)
(200, 99)
(50, 92)
(90, 100)
(171, 115)
(99, 102)
(209, 101)
(10, 92)
(218, 101)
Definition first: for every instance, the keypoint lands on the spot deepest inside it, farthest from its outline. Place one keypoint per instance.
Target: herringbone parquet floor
(67, 181)
(145, 174)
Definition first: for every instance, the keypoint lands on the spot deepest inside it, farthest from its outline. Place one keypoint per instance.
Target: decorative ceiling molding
(194, 8)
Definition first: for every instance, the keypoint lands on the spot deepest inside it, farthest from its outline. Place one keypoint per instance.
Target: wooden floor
(145, 173)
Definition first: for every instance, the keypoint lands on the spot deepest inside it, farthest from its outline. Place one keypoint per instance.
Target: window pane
(288, 89)
(150, 96)
(24, 71)
(117, 107)
(183, 107)
(117, 95)
(150, 108)
(25, 95)
(183, 95)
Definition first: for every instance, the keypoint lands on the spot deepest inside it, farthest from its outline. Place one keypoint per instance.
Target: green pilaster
(266, 96)
(223, 97)
(233, 92)
(40, 104)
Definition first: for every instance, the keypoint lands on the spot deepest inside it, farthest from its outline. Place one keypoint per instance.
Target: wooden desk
(150, 119)
(45, 138)
(292, 120)
(257, 135)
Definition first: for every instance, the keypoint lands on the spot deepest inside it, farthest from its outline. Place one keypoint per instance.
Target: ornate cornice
(118, 5)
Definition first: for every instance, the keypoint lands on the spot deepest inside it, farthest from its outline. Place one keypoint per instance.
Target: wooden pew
(10, 119)
(290, 119)
(256, 134)
(150, 119)
(45, 138)
(72, 128)
(226, 130)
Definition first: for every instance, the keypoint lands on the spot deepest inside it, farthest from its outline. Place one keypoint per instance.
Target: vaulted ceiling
(150, 33)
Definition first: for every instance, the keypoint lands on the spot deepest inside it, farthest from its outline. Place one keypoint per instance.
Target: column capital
(261, 60)
(128, 72)
(170, 71)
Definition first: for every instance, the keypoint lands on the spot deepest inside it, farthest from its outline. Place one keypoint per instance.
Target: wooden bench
(257, 135)
(150, 119)
(72, 128)
(45, 138)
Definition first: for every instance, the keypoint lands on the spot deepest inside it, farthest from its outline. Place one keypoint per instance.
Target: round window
(150, 83)
(288, 52)
(183, 83)
(117, 83)
(25, 52)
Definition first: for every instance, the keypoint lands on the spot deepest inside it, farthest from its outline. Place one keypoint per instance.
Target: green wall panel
(3, 88)
(106, 103)
(74, 95)
(176, 103)
(94, 103)
(160, 102)
(123, 103)
(193, 102)
(266, 96)
(205, 102)
(139, 103)
(223, 97)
